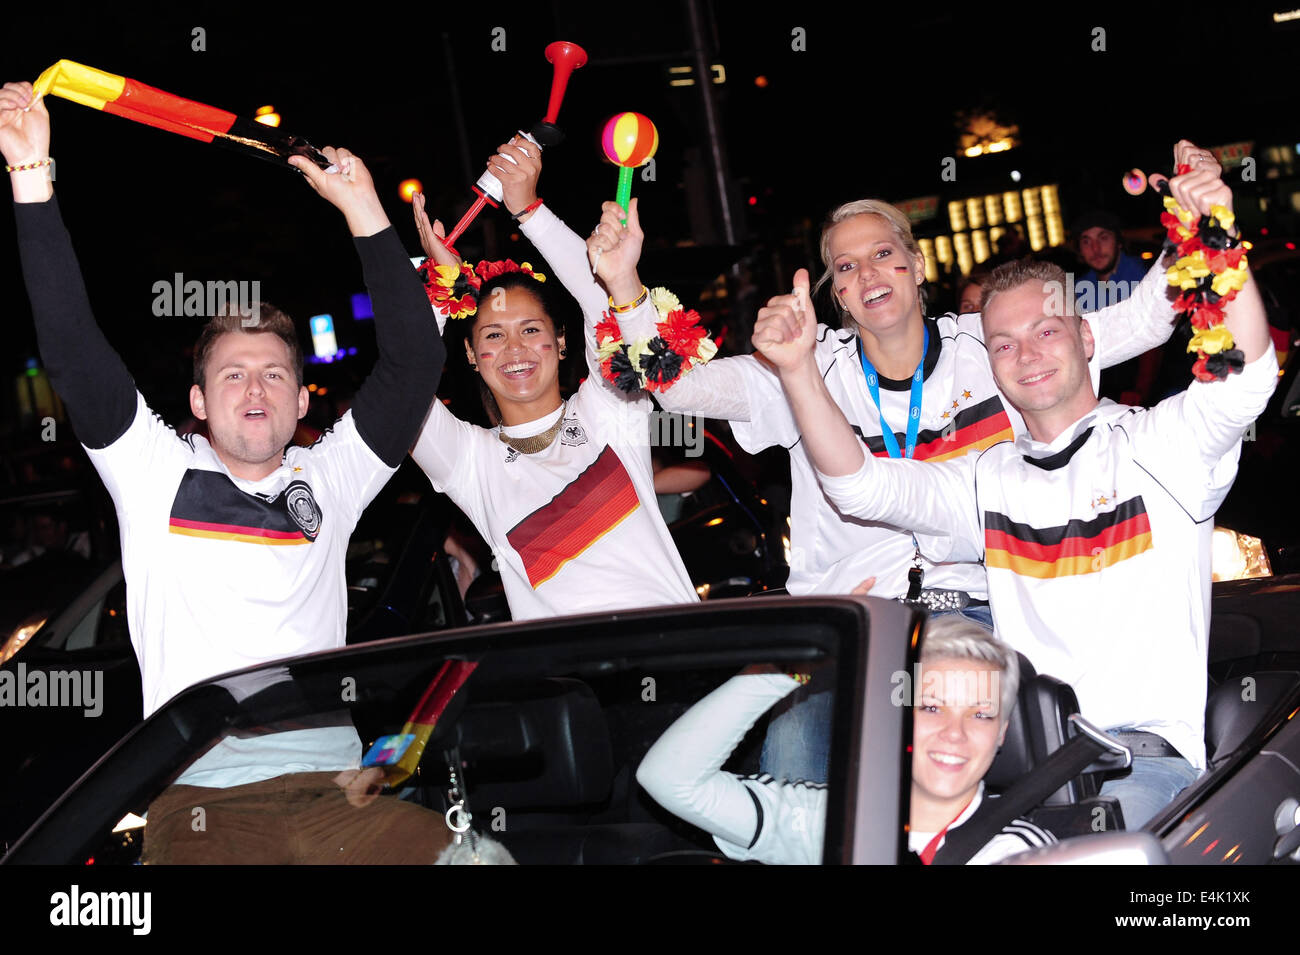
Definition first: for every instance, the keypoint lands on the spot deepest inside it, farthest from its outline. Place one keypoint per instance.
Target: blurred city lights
(996, 146)
(983, 132)
(361, 306)
(685, 75)
(408, 188)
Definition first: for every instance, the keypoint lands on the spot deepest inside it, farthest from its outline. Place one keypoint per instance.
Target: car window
(104, 625)
(547, 763)
(376, 546)
(547, 743)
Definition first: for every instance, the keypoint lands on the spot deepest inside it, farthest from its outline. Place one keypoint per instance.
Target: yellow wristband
(24, 167)
(645, 293)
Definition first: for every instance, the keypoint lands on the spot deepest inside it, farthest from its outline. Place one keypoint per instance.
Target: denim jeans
(798, 741)
(1149, 785)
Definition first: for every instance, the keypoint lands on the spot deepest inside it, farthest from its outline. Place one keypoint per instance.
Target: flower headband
(453, 289)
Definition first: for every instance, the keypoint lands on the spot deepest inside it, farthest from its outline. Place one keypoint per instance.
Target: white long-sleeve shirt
(574, 528)
(1097, 545)
(757, 817)
(961, 410)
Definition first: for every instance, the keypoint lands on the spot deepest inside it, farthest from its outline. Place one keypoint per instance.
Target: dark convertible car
(400, 581)
(547, 731)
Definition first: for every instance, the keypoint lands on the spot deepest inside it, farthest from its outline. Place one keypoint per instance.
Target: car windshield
(545, 737)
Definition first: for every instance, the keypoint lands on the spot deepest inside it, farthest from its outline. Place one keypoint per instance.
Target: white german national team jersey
(1015, 837)
(574, 528)
(961, 411)
(1097, 545)
(759, 818)
(227, 573)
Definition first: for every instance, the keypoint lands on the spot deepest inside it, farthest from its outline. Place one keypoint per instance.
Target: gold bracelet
(23, 167)
(645, 294)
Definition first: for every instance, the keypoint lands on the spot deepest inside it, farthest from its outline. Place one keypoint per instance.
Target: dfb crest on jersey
(573, 435)
(303, 508)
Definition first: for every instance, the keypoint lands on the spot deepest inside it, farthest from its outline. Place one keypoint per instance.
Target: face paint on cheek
(901, 269)
(547, 347)
(485, 355)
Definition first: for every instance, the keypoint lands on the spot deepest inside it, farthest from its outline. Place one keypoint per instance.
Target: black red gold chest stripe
(208, 504)
(596, 502)
(974, 428)
(1079, 547)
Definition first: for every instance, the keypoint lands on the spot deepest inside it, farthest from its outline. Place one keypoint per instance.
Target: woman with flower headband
(562, 491)
(912, 387)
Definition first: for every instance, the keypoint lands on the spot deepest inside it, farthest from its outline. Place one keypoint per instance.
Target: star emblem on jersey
(573, 435)
(1101, 499)
(303, 509)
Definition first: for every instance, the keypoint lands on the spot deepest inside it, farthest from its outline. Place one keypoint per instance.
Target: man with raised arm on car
(233, 545)
(1094, 527)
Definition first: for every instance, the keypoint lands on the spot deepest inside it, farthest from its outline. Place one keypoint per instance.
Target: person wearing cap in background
(1112, 275)
(1112, 272)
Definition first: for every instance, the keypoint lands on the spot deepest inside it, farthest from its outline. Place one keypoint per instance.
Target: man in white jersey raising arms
(1094, 527)
(232, 546)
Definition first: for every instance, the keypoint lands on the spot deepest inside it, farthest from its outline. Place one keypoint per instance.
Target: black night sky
(867, 109)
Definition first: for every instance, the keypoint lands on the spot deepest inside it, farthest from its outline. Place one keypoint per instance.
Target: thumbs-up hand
(785, 332)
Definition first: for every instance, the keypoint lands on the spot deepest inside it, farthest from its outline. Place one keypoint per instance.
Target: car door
(550, 728)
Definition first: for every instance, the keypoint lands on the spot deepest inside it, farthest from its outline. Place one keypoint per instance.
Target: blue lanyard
(914, 409)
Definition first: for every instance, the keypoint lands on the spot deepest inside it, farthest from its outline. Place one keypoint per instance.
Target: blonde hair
(898, 223)
(954, 637)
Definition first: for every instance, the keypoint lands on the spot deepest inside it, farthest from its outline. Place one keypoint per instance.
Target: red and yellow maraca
(629, 141)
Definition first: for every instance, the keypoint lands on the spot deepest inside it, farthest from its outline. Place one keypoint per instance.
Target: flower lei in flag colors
(453, 290)
(1210, 270)
(656, 363)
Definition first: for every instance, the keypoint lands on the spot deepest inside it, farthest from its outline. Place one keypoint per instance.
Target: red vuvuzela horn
(565, 57)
